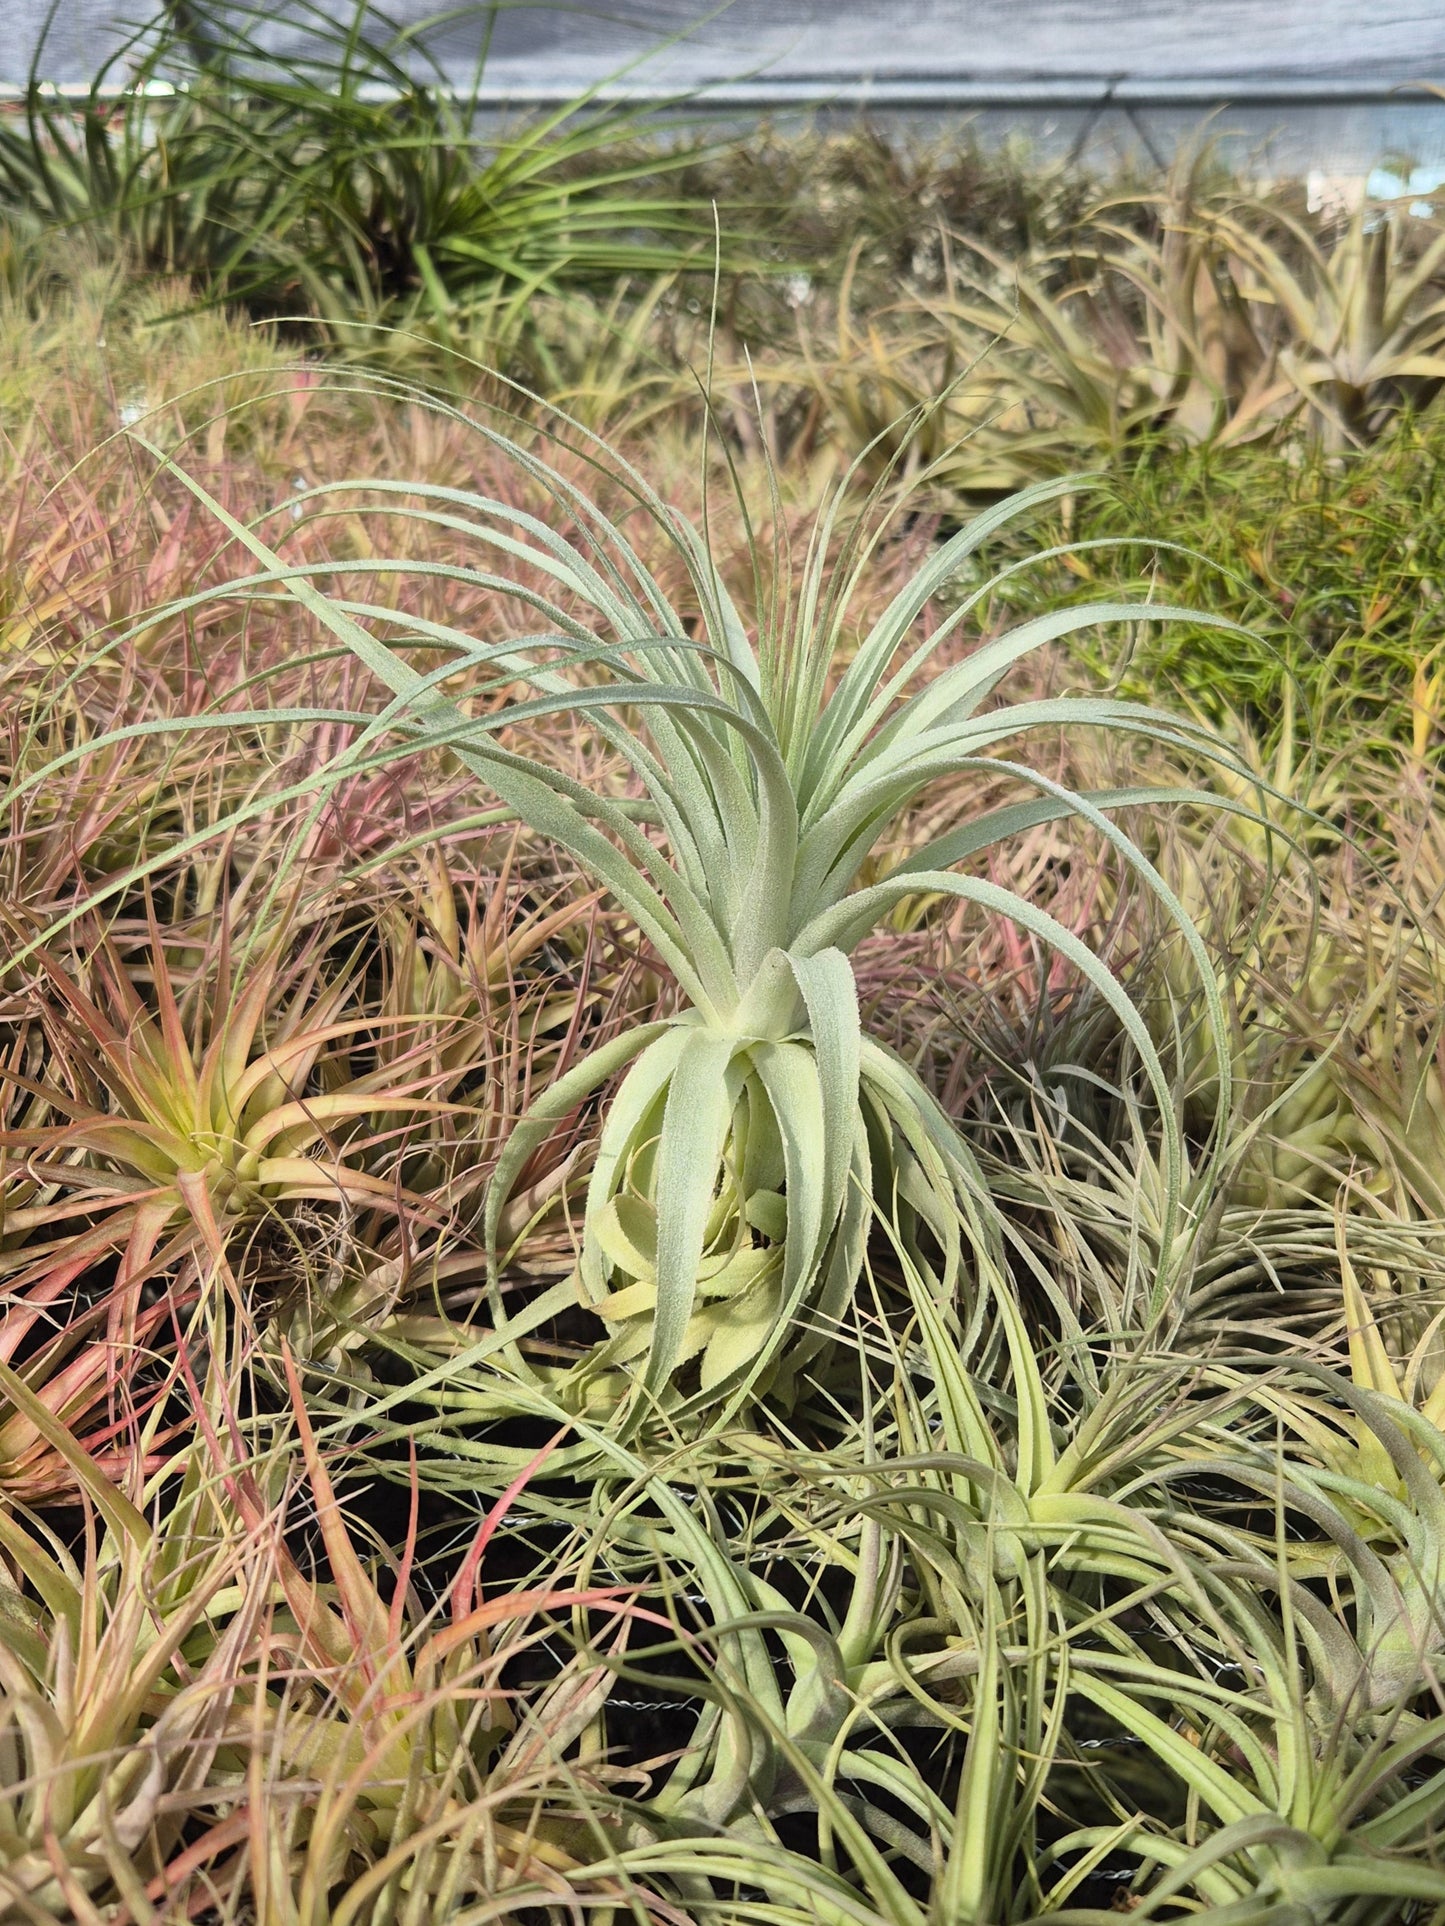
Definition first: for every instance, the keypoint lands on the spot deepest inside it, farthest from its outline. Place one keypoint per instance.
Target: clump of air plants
(1050, 1527)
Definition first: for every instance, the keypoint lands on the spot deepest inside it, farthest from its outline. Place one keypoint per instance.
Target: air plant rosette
(755, 1132)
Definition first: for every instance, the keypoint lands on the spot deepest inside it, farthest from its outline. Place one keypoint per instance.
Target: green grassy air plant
(344, 180)
(742, 1152)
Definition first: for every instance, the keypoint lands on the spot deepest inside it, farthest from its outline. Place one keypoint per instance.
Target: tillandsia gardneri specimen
(743, 1153)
